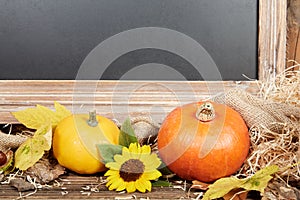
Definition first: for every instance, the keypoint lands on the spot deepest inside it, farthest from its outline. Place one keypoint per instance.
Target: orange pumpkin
(203, 141)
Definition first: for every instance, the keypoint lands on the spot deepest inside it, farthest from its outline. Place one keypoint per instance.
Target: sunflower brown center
(131, 170)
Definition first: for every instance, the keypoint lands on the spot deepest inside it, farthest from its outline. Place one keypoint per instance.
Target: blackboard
(52, 39)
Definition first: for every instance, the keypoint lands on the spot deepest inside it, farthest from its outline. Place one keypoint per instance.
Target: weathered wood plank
(116, 99)
(293, 34)
(272, 38)
(74, 186)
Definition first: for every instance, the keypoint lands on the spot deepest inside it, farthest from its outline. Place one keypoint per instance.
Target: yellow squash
(75, 141)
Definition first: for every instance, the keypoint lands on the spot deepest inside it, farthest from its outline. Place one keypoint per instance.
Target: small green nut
(6, 161)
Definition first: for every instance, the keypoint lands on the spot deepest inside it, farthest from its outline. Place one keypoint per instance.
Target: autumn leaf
(40, 115)
(43, 120)
(258, 182)
(61, 112)
(199, 185)
(45, 132)
(34, 148)
(222, 186)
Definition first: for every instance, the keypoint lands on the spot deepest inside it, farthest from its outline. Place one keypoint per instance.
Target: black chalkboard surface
(128, 39)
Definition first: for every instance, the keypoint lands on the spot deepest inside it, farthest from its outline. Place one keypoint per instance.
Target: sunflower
(133, 169)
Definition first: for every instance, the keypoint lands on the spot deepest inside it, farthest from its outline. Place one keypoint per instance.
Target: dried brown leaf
(21, 184)
(44, 171)
(199, 185)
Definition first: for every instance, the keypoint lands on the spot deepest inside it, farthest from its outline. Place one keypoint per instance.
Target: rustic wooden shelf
(74, 186)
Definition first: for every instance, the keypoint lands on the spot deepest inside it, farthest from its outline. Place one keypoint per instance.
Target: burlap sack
(259, 113)
(145, 129)
(8, 141)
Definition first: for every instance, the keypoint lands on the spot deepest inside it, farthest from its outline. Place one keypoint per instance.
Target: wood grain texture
(272, 38)
(293, 48)
(293, 34)
(73, 186)
(113, 99)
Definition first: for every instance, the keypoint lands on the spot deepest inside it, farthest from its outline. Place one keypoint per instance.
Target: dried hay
(281, 147)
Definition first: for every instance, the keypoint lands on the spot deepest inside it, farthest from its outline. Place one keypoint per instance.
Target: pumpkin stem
(92, 121)
(205, 112)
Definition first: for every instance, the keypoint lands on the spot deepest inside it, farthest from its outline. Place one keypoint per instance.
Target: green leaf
(258, 182)
(108, 151)
(33, 148)
(40, 115)
(161, 183)
(127, 134)
(222, 187)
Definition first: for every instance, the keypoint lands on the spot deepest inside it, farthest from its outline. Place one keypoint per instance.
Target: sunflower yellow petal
(139, 184)
(139, 148)
(133, 148)
(135, 155)
(119, 159)
(113, 177)
(146, 149)
(122, 186)
(116, 184)
(155, 159)
(126, 153)
(113, 165)
(130, 187)
(111, 172)
(134, 151)
(148, 185)
(144, 158)
(109, 183)
(151, 175)
(150, 162)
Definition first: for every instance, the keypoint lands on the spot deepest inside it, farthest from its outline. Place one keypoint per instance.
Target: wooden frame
(116, 99)
(293, 34)
(272, 37)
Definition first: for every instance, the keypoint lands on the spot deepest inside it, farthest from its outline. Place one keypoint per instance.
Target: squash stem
(92, 121)
(205, 112)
